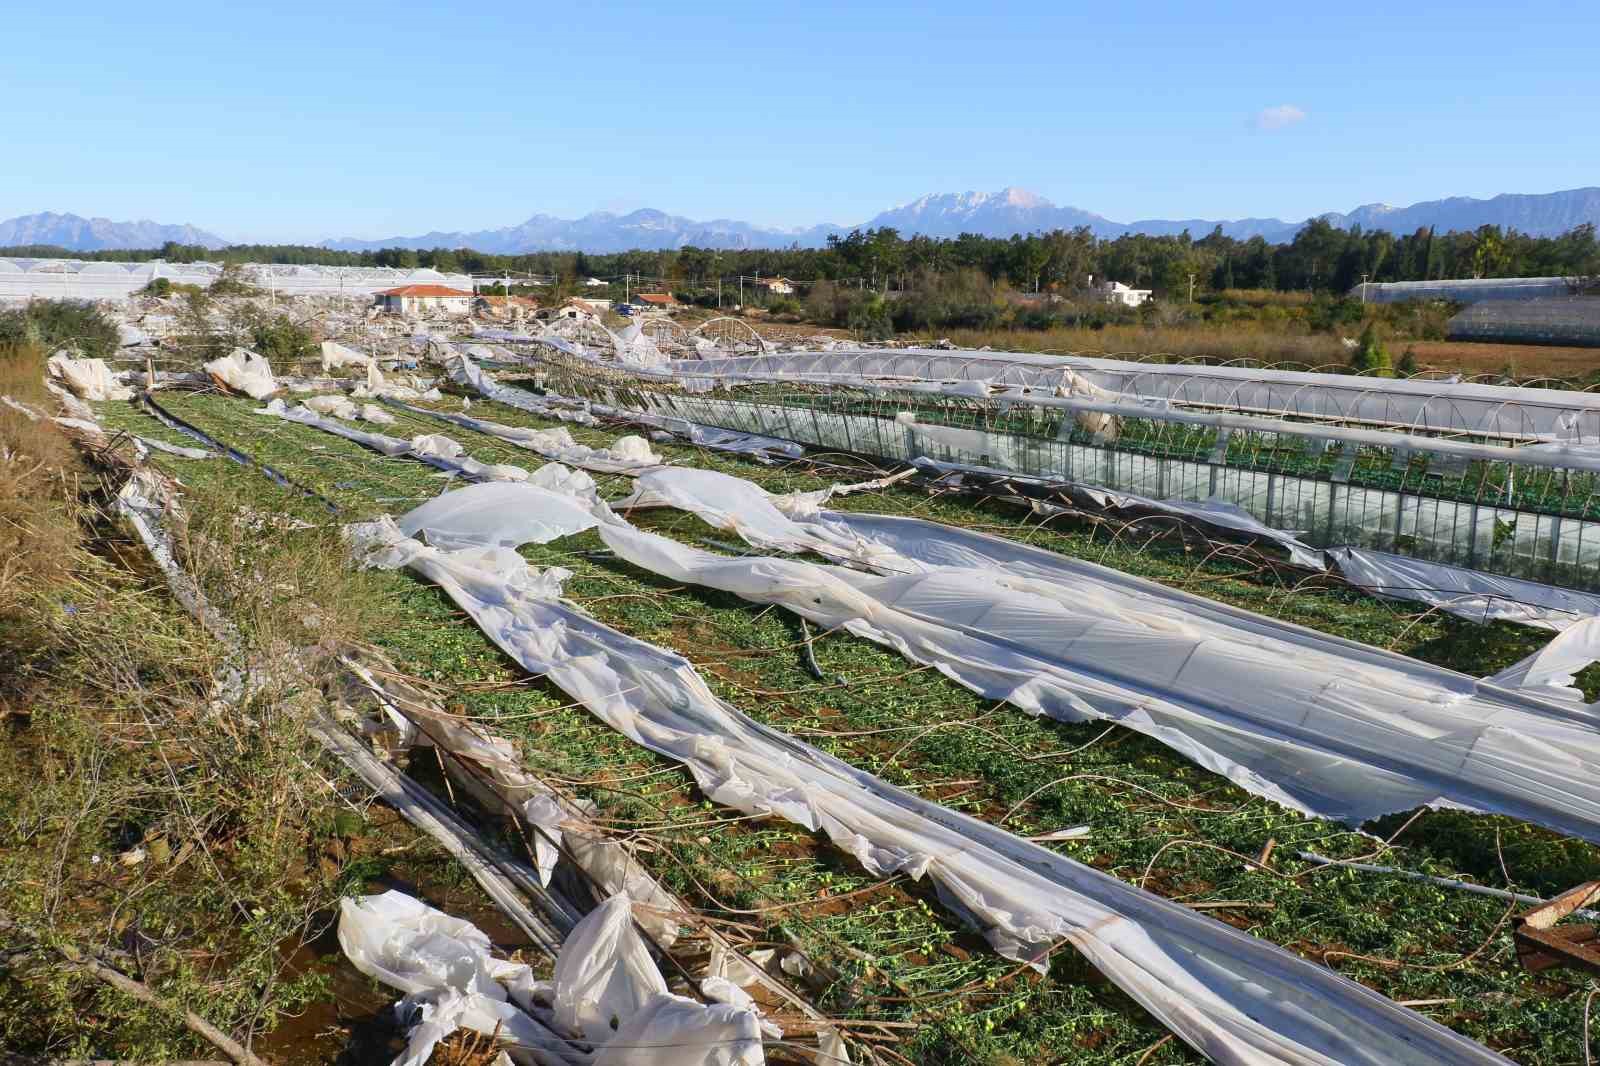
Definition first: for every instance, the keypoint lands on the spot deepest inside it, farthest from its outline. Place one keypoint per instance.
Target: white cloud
(1276, 118)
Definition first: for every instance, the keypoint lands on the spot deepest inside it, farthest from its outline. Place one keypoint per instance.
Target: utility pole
(1364, 278)
(719, 291)
(1191, 288)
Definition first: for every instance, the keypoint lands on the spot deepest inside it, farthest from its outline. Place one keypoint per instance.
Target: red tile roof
(424, 290)
(656, 297)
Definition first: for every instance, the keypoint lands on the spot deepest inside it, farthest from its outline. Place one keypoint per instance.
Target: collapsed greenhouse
(894, 863)
(1485, 478)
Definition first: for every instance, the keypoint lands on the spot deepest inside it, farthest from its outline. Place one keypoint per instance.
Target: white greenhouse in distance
(77, 279)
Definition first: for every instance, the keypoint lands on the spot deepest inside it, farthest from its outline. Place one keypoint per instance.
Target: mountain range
(996, 214)
(97, 234)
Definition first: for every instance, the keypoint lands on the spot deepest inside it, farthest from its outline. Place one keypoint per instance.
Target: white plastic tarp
(1300, 720)
(436, 450)
(335, 354)
(244, 371)
(628, 455)
(1470, 594)
(1218, 512)
(506, 513)
(1314, 732)
(89, 379)
(606, 991)
(1238, 999)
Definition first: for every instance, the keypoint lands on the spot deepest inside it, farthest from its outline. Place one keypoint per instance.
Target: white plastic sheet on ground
(1550, 671)
(1218, 513)
(606, 991)
(89, 379)
(636, 348)
(178, 450)
(505, 513)
(335, 354)
(1237, 999)
(432, 448)
(464, 372)
(1316, 724)
(1470, 594)
(402, 387)
(559, 825)
(244, 371)
(744, 508)
(628, 455)
(1313, 731)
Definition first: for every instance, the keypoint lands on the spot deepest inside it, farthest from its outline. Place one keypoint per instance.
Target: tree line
(1320, 258)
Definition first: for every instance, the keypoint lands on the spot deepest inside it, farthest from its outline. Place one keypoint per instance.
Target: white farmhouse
(424, 299)
(1118, 294)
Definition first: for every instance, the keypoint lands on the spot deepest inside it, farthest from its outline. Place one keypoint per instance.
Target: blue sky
(300, 121)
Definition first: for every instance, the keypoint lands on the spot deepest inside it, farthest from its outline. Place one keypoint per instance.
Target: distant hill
(79, 234)
(996, 214)
(602, 232)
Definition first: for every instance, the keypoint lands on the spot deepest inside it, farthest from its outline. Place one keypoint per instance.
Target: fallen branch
(141, 992)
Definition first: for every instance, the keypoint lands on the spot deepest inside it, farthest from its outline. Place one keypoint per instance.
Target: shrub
(53, 324)
(1370, 354)
(283, 342)
(869, 319)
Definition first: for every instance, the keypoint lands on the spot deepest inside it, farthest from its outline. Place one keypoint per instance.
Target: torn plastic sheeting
(335, 354)
(1470, 594)
(606, 990)
(628, 455)
(637, 349)
(1315, 733)
(1218, 513)
(507, 513)
(444, 966)
(1551, 670)
(334, 406)
(742, 507)
(340, 407)
(1368, 693)
(433, 449)
(1237, 999)
(89, 379)
(464, 372)
(556, 822)
(244, 371)
(176, 449)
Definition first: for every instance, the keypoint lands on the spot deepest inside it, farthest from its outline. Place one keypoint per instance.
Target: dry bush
(152, 809)
(39, 530)
(1211, 344)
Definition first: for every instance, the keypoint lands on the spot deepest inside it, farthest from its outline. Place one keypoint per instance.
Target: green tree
(1370, 355)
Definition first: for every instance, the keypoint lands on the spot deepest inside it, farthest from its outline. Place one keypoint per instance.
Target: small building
(581, 309)
(505, 307)
(657, 301)
(596, 283)
(1117, 294)
(779, 286)
(423, 299)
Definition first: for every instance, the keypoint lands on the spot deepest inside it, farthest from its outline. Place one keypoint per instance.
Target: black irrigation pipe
(172, 421)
